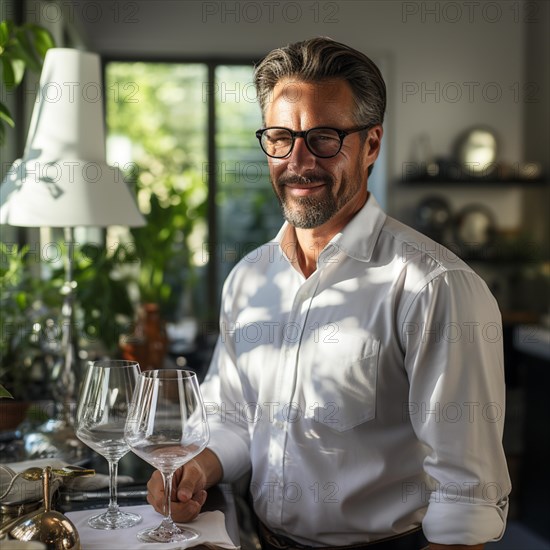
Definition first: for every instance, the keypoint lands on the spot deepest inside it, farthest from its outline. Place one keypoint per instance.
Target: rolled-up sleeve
(454, 360)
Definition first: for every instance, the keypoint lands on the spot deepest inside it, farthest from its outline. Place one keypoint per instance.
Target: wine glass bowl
(167, 426)
(100, 419)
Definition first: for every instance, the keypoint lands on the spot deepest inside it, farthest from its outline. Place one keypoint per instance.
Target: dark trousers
(411, 540)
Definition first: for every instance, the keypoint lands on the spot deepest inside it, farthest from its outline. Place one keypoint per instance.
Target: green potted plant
(27, 305)
(21, 47)
(30, 319)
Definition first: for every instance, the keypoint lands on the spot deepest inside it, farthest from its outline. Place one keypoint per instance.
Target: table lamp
(63, 181)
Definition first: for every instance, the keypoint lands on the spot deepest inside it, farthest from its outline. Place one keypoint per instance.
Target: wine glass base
(161, 534)
(114, 520)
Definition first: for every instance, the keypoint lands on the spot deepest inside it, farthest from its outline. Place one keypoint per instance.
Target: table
(220, 497)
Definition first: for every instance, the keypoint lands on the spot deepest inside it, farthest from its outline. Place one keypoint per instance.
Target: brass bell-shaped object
(48, 526)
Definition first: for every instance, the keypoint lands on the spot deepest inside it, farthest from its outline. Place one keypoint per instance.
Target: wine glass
(100, 419)
(167, 427)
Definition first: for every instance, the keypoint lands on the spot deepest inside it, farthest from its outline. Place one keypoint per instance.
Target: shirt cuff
(462, 523)
(232, 452)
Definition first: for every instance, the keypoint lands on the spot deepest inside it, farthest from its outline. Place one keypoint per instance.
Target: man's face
(313, 190)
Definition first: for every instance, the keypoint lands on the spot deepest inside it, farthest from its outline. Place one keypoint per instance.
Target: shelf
(473, 182)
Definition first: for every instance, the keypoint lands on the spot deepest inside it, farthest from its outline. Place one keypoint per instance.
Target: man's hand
(189, 486)
(188, 492)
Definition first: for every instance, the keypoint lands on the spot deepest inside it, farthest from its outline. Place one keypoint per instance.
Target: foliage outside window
(157, 131)
(248, 213)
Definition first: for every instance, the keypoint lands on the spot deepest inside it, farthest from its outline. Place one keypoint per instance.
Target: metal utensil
(48, 526)
(35, 474)
(31, 474)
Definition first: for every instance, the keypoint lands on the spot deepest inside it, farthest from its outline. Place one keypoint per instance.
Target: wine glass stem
(113, 471)
(167, 497)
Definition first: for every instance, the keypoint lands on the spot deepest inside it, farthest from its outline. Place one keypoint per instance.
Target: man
(358, 375)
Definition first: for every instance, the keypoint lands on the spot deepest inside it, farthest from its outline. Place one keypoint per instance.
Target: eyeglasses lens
(277, 142)
(323, 142)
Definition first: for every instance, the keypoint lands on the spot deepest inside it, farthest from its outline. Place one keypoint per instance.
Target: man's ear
(371, 149)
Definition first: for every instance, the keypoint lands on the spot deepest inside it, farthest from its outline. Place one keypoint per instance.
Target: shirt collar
(359, 237)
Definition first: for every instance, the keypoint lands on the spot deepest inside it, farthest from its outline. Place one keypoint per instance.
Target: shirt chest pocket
(339, 387)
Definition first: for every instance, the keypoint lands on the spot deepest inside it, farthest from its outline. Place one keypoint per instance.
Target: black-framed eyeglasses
(322, 141)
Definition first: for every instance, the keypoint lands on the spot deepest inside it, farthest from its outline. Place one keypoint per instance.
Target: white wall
(471, 53)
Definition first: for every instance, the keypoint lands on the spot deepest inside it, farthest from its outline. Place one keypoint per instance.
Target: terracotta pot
(148, 344)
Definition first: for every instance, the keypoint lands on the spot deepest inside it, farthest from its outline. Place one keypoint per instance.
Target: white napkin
(23, 490)
(209, 525)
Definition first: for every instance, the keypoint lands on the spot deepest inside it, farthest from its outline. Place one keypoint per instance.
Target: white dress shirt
(367, 398)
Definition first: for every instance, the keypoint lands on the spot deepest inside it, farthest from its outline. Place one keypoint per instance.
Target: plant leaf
(4, 33)
(8, 73)
(19, 70)
(4, 392)
(5, 115)
(24, 50)
(13, 71)
(42, 39)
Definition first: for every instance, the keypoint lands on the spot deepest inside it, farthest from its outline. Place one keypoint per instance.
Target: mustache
(305, 179)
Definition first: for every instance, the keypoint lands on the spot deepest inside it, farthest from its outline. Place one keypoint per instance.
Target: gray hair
(321, 59)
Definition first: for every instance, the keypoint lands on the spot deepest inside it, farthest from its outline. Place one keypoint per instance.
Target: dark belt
(411, 540)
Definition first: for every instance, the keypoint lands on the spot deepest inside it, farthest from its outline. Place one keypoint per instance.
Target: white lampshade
(63, 179)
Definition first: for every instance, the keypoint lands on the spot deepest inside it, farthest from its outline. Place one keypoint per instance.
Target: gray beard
(308, 213)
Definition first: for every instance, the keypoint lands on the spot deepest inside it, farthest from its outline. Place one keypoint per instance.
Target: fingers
(192, 481)
(155, 491)
(188, 511)
(181, 511)
(187, 496)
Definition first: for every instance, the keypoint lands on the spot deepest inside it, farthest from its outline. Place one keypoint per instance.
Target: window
(183, 133)
(248, 214)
